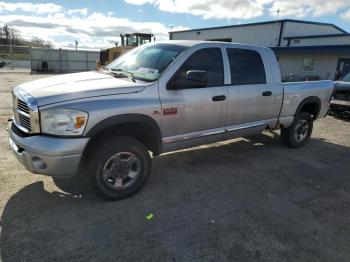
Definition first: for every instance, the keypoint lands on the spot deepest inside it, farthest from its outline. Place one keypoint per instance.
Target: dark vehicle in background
(341, 100)
(2, 63)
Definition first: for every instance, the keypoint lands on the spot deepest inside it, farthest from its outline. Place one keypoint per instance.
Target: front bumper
(48, 155)
(340, 103)
(339, 106)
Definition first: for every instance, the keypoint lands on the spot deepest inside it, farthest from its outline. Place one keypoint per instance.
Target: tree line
(12, 36)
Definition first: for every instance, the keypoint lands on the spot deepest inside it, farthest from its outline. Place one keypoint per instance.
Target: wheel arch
(133, 125)
(311, 105)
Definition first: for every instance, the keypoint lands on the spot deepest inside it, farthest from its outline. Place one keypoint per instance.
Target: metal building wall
(325, 68)
(306, 29)
(264, 34)
(63, 60)
(320, 41)
(302, 29)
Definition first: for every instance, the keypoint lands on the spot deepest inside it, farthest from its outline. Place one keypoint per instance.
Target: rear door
(254, 99)
(193, 115)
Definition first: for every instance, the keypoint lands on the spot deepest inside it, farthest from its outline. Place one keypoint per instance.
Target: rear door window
(246, 67)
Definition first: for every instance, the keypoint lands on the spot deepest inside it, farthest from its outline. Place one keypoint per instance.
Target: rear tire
(118, 167)
(299, 133)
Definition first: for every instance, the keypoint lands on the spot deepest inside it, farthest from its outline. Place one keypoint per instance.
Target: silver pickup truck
(159, 97)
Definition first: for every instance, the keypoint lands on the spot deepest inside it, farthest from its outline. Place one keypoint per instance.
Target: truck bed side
(296, 94)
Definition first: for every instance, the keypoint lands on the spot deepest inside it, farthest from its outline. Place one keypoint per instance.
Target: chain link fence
(14, 49)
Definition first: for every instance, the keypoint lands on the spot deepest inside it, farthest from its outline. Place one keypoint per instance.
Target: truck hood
(78, 85)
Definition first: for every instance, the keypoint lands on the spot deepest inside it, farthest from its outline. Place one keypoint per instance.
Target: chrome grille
(23, 114)
(26, 114)
(24, 121)
(22, 106)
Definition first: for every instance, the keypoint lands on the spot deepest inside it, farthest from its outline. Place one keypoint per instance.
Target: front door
(195, 114)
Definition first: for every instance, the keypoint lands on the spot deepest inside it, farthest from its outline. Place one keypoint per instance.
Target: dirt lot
(244, 200)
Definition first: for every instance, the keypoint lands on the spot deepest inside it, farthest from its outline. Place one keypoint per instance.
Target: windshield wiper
(119, 71)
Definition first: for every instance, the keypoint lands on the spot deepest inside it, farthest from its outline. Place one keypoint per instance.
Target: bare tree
(38, 42)
(10, 34)
(15, 35)
(6, 32)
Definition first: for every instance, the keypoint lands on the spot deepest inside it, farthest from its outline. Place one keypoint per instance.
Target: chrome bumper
(340, 102)
(51, 156)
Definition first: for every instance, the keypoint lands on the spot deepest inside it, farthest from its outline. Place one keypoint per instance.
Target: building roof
(325, 48)
(191, 43)
(316, 36)
(263, 23)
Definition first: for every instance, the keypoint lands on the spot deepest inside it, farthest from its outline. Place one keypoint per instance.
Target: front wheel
(299, 133)
(119, 167)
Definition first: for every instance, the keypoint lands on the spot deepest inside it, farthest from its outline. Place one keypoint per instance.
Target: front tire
(119, 167)
(299, 133)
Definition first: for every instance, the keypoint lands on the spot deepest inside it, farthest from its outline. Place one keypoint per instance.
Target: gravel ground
(243, 200)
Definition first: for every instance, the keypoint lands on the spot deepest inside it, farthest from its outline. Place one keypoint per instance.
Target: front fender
(129, 118)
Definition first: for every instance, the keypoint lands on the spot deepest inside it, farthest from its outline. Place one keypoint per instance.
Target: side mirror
(193, 79)
(199, 78)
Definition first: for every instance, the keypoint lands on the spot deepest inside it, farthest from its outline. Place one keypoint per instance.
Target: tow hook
(9, 120)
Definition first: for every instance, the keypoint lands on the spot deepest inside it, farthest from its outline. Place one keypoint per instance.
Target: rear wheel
(299, 133)
(119, 167)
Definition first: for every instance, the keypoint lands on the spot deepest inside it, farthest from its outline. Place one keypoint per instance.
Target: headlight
(63, 121)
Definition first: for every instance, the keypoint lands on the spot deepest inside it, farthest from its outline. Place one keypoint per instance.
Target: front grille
(22, 106)
(26, 114)
(24, 121)
(23, 114)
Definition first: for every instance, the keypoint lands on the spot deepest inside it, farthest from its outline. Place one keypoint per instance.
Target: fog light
(38, 163)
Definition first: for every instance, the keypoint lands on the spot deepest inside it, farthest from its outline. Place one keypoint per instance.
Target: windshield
(147, 62)
(346, 78)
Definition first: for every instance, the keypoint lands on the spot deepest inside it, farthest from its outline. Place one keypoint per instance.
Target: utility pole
(276, 27)
(11, 45)
(76, 45)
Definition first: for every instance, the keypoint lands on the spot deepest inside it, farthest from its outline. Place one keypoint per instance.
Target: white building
(63, 60)
(305, 50)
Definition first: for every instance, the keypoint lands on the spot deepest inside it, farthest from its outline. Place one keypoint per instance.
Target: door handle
(267, 93)
(218, 98)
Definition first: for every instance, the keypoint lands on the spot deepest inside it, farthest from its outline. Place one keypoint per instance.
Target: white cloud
(92, 31)
(54, 23)
(82, 11)
(346, 15)
(309, 8)
(30, 7)
(242, 9)
(207, 9)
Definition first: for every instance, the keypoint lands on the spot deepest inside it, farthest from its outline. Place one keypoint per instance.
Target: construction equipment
(128, 42)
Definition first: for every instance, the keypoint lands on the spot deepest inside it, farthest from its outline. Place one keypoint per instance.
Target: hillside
(20, 48)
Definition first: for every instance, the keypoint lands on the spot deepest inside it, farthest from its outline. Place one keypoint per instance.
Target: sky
(98, 24)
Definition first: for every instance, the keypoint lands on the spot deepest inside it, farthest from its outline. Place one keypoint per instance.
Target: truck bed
(295, 92)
